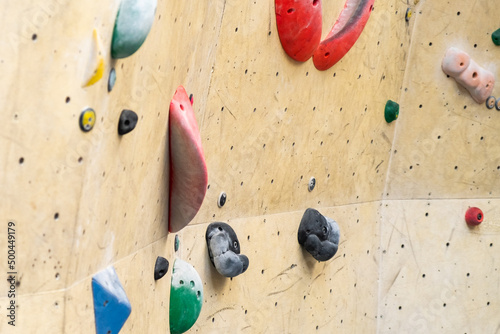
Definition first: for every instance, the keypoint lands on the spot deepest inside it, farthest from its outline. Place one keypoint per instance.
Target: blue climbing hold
(111, 305)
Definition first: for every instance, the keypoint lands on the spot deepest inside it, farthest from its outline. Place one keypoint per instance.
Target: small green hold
(186, 297)
(132, 26)
(496, 37)
(391, 111)
(177, 243)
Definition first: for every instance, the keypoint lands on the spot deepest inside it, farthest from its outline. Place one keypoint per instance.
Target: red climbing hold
(474, 216)
(344, 33)
(188, 170)
(299, 26)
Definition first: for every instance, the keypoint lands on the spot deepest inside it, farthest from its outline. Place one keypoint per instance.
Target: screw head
(312, 184)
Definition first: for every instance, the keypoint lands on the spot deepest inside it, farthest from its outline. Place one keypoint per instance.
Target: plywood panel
(284, 289)
(272, 123)
(437, 274)
(149, 298)
(445, 144)
(83, 201)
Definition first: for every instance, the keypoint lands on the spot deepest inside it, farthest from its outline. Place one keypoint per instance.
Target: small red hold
(474, 216)
(299, 25)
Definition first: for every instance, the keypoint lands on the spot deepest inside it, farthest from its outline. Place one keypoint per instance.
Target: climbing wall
(83, 201)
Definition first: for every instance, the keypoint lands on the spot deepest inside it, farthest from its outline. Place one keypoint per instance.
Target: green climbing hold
(186, 297)
(177, 243)
(496, 37)
(391, 111)
(132, 25)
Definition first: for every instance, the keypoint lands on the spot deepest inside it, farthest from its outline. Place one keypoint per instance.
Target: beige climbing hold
(95, 68)
(477, 80)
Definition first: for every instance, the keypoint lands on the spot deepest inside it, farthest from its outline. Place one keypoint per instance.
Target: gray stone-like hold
(161, 267)
(127, 122)
(224, 250)
(319, 235)
(111, 79)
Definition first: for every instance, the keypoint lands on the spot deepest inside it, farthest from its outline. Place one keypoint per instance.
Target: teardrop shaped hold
(186, 297)
(132, 26)
(188, 170)
(299, 25)
(127, 122)
(345, 32)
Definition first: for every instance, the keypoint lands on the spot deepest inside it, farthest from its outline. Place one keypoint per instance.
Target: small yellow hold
(408, 14)
(96, 62)
(87, 119)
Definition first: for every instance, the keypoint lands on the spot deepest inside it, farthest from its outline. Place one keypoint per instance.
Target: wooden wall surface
(407, 262)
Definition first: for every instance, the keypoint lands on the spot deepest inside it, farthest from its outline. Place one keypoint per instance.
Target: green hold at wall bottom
(186, 297)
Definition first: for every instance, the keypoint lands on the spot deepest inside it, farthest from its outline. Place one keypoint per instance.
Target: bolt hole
(127, 122)
(474, 75)
(327, 54)
(479, 216)
(290, 10)
(182, 107)
(315, 2)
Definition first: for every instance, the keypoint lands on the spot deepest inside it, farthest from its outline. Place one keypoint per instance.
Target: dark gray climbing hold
(111, 79)
(319, 235)
(497, 104)
(161, 267)
(127, 122)
(224, 250)
(222, 199)
(312, 184)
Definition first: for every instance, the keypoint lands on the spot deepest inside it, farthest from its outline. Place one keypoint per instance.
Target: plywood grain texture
(407, 262)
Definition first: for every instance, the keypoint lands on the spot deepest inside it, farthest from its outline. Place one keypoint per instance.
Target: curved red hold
(474, 216)
(344, 34)
(188, 170)
(299, 26)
